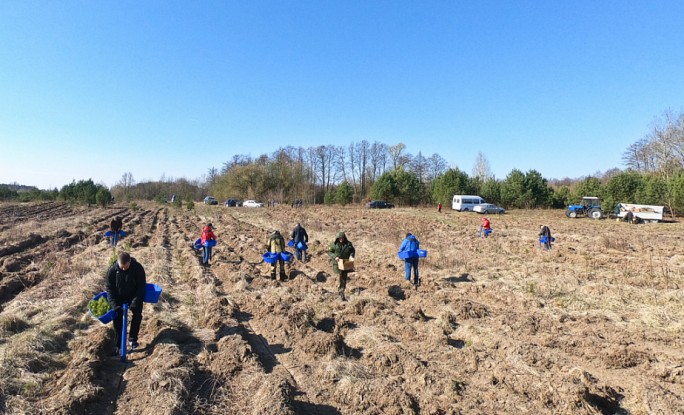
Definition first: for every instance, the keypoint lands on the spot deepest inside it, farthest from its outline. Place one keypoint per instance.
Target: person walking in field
(276, 245)
(545, 238)
(341, 248)
(126, 285)
(206, 240)
(486, 227)
(299, 235)
(115, 226)
(439, 208)
(411, 245)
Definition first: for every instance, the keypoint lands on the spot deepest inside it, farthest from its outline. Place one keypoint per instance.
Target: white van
(466, 203)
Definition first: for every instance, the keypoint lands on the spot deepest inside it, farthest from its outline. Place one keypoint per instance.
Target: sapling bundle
(99, 307)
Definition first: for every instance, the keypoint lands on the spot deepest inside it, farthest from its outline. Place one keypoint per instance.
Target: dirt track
(498, 326)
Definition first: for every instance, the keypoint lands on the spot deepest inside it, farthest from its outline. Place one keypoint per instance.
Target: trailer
(645, 213)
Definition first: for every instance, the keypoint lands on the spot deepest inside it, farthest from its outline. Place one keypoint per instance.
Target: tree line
(360, 171)
(127, 189)
(81, 192)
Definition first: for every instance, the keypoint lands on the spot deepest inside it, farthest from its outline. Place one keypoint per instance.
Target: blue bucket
(152, 293)
(209, 243)
(271, 257)
(107, 317)
(286, 256)
(487, 232)
(122, 234)
(198, 244)
(108, 234)
(290, 243)
(422, 253)
(407, 254)
(302, 246)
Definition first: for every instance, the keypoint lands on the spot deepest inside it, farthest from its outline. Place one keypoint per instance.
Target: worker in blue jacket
(411, 245)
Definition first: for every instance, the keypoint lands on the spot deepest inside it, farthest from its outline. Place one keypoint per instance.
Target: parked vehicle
(589, 207)
(488, 208)
(379, 204)
(645, 213)
(210, 200)
(233, 203)
(252, 203)
(466, 203)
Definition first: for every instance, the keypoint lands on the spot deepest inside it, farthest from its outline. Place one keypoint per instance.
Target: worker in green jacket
(341, 248)
(276, 245)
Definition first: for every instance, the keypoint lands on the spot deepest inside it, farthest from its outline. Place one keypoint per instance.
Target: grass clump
(12, 324)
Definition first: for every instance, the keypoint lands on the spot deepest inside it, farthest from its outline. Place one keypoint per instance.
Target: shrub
(103, 197)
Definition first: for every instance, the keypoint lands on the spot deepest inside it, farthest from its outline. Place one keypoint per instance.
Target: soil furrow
(592, 326)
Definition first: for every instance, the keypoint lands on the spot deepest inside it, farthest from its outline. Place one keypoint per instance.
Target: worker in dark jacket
(126, 285)
(341, 248)
(115, 226)
(545, 238)
(299, 235)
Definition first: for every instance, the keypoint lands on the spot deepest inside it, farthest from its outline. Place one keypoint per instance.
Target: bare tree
(334, 171)
(126, 183)
(326, 163)
(662, 149)
(313, 169)
(419, 165)
(378, 156)
(481, 170)
(352, 165)
(395, 153)
(634, 156)
(436, 165)
(212, 174)
(362, 149)
(342, 165)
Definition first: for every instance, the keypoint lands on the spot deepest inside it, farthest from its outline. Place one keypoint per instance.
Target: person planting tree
(276, 245)
(343, 249)
(125, 284)
(207, 236)
(299, 235)
(410, 245)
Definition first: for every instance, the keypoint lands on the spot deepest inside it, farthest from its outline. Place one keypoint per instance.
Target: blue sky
(94, 89)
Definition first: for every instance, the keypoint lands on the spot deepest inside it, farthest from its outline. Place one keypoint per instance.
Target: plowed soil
(593, 326)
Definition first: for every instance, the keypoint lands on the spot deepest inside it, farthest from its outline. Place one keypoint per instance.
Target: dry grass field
(594, 326)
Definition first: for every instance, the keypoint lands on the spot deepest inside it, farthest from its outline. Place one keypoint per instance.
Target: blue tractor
(589, 207)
